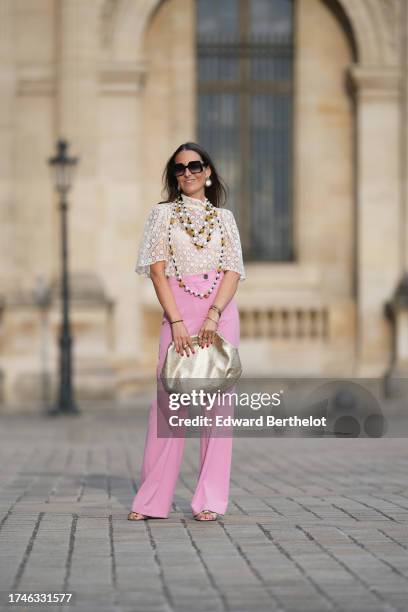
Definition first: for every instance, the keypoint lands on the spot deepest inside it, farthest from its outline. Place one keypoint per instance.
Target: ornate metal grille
(245, 58)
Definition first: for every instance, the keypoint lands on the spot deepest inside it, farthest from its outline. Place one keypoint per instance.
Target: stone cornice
(122, 78)
(36, 80)
(115, 78)
(376, 82)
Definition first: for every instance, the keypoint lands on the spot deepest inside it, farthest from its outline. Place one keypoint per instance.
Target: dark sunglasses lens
(195, 166)
(179, 169)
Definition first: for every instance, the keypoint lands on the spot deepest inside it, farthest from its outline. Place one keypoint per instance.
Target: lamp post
(63, 167)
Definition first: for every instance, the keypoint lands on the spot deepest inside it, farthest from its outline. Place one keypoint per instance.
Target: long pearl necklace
(179, 211)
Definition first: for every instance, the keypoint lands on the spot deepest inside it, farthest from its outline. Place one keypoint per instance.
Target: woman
(191, 250)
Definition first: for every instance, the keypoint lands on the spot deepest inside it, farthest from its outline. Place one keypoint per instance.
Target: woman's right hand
(182, 339)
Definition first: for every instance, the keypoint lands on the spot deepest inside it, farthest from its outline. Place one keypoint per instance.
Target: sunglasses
(194, 167)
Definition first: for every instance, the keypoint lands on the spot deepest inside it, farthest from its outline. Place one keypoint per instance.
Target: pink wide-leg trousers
(162, 455)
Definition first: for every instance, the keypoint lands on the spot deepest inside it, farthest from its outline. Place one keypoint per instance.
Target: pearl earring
(208, 182)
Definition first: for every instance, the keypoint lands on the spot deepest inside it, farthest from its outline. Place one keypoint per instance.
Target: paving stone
(311, 524)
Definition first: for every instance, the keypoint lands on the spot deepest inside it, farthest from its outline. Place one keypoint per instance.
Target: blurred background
(301, 103)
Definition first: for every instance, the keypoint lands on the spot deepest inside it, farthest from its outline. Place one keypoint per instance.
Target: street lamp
(63, 167)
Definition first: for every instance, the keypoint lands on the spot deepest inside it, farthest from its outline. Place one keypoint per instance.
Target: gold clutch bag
(212, 368)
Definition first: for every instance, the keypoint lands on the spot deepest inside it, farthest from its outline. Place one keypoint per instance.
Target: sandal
(208, 513)
(136, 516)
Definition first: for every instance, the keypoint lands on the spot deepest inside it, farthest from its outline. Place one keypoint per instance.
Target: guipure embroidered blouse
(154, 244)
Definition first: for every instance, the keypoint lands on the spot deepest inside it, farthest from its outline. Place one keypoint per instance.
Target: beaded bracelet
(211, 319)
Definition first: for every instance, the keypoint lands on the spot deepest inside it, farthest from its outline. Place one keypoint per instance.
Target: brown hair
(216, 193)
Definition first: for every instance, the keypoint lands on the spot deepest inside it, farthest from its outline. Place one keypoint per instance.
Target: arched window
(245, 57)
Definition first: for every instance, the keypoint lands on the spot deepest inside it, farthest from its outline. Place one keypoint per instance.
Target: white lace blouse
(154, 245)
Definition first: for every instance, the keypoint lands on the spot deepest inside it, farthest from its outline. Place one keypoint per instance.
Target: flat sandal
(206, 512)
(137, 519)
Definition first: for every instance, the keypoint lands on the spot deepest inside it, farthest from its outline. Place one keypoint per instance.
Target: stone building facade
(118, 79)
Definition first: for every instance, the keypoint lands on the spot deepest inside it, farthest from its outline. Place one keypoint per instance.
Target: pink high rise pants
(162, 455)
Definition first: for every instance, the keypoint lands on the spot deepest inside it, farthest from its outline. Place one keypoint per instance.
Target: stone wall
(117, 79)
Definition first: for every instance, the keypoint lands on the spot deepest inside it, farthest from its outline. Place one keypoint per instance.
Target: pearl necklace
(186, 222)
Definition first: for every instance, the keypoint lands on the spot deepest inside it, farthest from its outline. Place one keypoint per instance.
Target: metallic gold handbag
(212, 368)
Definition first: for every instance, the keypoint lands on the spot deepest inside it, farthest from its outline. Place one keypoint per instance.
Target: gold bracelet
(216, 308)
(212, 320)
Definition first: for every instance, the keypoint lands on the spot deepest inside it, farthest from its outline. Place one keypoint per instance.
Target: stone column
(378, 215)
(121, 197)
(7, 106)
(77, 120)
(404, 135)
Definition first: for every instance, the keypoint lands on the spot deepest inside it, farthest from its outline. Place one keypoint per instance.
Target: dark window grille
(245, 87)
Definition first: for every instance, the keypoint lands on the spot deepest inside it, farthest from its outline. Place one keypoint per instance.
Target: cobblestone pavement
(312, 524)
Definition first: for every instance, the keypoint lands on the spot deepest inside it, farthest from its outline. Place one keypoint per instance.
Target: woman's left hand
(207, 332)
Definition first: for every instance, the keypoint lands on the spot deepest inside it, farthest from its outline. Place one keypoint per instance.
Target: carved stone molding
(122, 78)
(376, 82)
(36, 80)
(116, 78)
(375, 24)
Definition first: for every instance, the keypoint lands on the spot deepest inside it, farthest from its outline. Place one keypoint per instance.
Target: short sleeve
(232, 251)
(153, 246)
